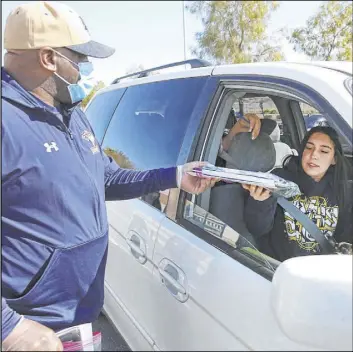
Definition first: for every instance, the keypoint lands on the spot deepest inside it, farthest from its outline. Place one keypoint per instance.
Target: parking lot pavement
(111, 339)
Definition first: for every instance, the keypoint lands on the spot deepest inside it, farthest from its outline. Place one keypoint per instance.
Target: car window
(217, 216)
(100, 111)
(312, 117)
(148, 126)
(263, 106)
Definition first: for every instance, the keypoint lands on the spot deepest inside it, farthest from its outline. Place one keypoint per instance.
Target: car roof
(339, 66)
(289, 70)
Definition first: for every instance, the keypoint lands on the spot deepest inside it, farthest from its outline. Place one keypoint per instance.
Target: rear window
(100, 111)
(149, 124)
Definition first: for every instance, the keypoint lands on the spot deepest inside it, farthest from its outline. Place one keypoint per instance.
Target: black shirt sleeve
(259, 216)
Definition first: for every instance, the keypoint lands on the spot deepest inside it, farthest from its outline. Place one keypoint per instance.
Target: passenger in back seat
(227, 200)
(242, 125)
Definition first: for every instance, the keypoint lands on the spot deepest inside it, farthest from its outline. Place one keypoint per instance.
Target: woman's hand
(258, 193)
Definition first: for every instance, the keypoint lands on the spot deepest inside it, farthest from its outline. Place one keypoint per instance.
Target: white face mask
(85, 83)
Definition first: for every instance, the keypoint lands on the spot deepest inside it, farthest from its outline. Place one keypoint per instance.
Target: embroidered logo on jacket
(318, 210)
(51, 146)
(88, 136)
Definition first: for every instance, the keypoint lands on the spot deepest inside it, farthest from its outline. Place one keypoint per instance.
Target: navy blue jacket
(55, 180)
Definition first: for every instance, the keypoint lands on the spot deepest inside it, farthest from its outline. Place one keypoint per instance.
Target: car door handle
(172, 281)
(136, 248)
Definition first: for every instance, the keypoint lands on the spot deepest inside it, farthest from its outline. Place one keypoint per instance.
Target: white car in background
(174, 279)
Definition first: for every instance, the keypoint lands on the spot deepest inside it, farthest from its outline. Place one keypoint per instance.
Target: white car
(179, 278)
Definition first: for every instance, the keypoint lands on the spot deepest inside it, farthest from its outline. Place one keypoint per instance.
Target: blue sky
(151, 33)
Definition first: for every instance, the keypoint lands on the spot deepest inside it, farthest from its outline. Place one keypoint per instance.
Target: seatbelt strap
(319, 237)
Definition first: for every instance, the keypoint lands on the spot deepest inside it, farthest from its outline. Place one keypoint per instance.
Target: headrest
(252, 155)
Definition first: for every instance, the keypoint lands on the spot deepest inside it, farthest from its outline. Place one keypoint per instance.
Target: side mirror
(312, 300)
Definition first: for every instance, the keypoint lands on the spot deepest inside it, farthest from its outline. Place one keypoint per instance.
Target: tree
(328, 34)
(120, 158)
(95, 89)
(235, 31)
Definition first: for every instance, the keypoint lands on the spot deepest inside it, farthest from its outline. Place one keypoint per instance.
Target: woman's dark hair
(342, 170)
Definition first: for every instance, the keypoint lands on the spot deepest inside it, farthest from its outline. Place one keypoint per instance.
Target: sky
(151, 32)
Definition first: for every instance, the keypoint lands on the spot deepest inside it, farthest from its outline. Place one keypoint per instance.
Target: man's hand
(195, 184)
(258, 193)
(29, 335)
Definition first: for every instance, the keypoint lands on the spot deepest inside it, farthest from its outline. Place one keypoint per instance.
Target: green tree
(328, 34)
(235, 31)
(95, 89)
(120, 158)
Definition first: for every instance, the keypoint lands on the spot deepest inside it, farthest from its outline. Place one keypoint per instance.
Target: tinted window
(101, 109)
(148, 126)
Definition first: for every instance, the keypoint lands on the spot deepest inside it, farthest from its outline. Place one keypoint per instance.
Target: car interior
(225, 204)
(242, 102)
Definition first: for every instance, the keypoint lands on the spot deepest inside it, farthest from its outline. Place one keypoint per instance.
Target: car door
(209, 298)
(212, 292)
(146, 132)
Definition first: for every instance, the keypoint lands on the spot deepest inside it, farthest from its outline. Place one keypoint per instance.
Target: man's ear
(48, 59)
(333, 162)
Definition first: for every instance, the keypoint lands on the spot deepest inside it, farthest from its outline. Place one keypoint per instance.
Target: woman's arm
(260, 209)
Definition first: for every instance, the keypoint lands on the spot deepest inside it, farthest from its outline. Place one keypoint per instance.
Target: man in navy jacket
(54, 184)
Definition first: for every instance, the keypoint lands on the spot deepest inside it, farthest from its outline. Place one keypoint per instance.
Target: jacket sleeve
(9, 319)
(259, 216)
(123, 184)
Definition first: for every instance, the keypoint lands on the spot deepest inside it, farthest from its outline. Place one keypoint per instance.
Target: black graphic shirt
(280, 235)
(319, 210)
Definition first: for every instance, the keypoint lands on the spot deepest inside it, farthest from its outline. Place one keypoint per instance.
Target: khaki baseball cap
(48, 23)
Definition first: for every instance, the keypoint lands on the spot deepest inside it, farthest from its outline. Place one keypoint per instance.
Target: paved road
(111, 339)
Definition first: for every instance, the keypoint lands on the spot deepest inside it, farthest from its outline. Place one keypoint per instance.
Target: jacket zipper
(91, 179)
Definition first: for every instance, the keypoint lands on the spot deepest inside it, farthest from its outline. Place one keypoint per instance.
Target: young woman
(323, 175)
